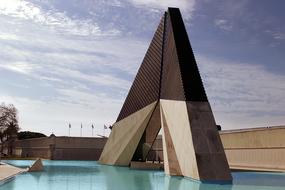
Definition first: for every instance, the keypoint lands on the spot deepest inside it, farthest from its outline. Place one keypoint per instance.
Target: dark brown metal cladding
(207, 143)
(177, 72)
(182, 55)
(171, 83)
(145, 88)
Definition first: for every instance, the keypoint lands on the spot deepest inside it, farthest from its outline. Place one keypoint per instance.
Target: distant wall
(76, 148)
(260, 148)
(60, 148)
(36, 147)
(156, 153)
(71, 148)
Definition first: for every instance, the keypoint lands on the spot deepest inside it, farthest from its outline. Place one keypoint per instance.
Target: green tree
(9, 125)
(28, 135)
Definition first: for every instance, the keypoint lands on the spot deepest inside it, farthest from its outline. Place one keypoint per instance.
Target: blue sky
(74, 61)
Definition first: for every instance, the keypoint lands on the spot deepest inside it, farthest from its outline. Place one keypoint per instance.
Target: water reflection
(265, 179)
(124, 178)
(180, 183)
(81, 175)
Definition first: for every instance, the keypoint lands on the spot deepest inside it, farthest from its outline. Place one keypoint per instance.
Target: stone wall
(252, 149)
(60, 148)
(156, 153)
(36, 147)
(255, 149)
(76, 148)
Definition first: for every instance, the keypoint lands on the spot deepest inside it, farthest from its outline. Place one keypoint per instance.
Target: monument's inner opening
(149, 147)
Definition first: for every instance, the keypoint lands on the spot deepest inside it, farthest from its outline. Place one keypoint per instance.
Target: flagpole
(104, 131)
(69, 126)
(81, 130)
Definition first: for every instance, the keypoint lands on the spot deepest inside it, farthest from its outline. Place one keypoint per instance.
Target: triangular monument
(37, 166)
(168, 94)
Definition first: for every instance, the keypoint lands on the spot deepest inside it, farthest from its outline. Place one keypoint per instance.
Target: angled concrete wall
(125, 137)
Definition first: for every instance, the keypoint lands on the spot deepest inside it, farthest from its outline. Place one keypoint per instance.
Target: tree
(28, 135)
(8, 121)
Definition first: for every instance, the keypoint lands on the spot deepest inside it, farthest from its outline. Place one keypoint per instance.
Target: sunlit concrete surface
(7, 171)
(260, 149)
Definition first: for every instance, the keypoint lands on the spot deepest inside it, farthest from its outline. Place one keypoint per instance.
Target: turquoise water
(88, 175)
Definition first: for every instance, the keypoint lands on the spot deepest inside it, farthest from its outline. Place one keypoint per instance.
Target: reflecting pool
(88, 175)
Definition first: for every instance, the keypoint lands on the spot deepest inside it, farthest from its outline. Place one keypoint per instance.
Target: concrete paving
(8, 171)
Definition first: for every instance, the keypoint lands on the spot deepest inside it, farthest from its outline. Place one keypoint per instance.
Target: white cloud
(21, 67)
(54, 19)
(186, 6)
(74, 60)
(55, 58)
(243, 95)
(53, 78)
(7, 36)
(97, 78)
(223, 24)
(67, 67)
(279, 36)
(54, 116)
(276, 34)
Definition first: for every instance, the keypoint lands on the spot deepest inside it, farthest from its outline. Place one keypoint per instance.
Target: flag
(105, 127)
(81, 125)
(69, 126)
(92, 126)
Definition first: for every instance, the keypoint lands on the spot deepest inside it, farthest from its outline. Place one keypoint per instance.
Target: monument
(168, 94)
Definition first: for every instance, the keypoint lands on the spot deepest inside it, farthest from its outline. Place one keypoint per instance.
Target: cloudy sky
(74, 61)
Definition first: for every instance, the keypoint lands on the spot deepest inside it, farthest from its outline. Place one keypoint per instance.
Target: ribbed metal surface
(145, 88)
(176, 77)
(171, 83)
(191, 79)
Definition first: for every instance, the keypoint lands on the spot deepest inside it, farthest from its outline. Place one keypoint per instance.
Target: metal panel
(145, 88)
(192, 82)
